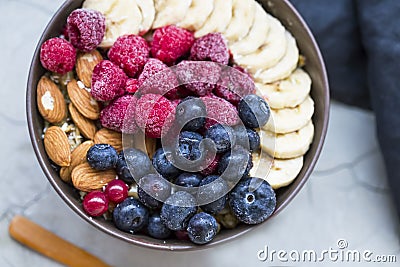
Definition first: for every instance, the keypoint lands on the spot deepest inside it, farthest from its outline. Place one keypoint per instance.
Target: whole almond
(87, 179)
(151, 146)
(107, 136)
(85, 126)
(83, 101)
(57, 146)
(50, 101)
(85, 63)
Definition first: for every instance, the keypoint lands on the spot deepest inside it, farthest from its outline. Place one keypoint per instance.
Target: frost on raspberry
(58, 55)
(219, 111)
(132, 85)
(211, 47)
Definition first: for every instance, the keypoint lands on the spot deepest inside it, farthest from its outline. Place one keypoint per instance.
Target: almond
(57, 146)
(83, 101)
(85, 126)
(85, 63)
(50, 101)
(107, 136)
(151, 146)
(86, 179)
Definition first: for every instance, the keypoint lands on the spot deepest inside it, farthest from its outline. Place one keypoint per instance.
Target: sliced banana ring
(255, 38)
(243, 12)
(289, 92)
(270, 53)
(170, 12)
(285, 67)
(148, 14)
(197, 14)
(219, 18)
(288, 120)
(290, 145)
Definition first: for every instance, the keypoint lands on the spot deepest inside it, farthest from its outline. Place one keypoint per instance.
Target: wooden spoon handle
(45, 242)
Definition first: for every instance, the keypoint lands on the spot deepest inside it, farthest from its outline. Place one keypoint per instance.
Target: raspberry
(198, 77)
(132, 85)
(171, 43)
(113, 116)
(212, 167)
(58, 55)
(130, 52)
(154, 114)
(212, 47)
(108, 81)
(219, 111)
(234, 85)
(86, 28)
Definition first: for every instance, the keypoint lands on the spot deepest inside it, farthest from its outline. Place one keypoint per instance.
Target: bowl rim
(136, 239)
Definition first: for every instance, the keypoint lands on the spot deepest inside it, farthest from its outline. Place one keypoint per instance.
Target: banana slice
(243, 12)
(280, 173)
(289, 92)
(148, 14)
(170, 12)
(270, 53)
(290, 145)
(197, 14)
(219, 18)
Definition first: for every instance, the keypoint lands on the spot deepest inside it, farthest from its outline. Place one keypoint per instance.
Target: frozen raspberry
(219, 111)
(154, 114)
(212, 47)
(212, 167)
(171, 43)
(108, 81)
(234, 85)
(132, 85)
(198, 77)
(86, 28)
(119, 115)
(130, 52)
(58, 55)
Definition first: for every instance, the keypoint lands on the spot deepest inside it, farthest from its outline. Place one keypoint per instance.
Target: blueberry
(189, 145)
(156, 228)
(247, 138)
(130, 215)
(138, 165)
(177, 210)
(202, 228)
(191, 114)
(102, 157)
(254, 111)
(235, 164)
(252, 205)
(189, 179)
(153, 189)
(162, 162)
(212, 187)
(222, 136)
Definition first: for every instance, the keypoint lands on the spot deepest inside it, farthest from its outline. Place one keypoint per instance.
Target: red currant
(95, 203)
(116, 191)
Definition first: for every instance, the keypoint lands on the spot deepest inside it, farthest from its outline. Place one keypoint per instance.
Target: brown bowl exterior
(281, 9)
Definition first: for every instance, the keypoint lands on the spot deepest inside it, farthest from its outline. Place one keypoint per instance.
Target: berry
(162, 162)
(156, 228)
(254, 111)
(189, 145)
(189, 179)
(130, 215)
(191, 114)
(220, 111)
(182, 235)
(119, 115)
(132, 85)
(211, 47)
(132, 165)
(154, 115)
(116, 191)
(198, 77)
(131, 53)
(222, 136)
(102, 157)
(153, 190)
(86, 28)
(108, 81)
(177, 210)
(170, 43)
(211, 166)
(252, 205)
(202, 228)
(235, 164)
(58, 55)
(95, 203)
(213, 192)
(247, 138)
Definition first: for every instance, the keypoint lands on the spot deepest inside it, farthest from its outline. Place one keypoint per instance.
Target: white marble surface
(346, 197)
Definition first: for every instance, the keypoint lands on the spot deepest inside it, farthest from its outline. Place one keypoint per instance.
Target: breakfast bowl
(311, 62)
